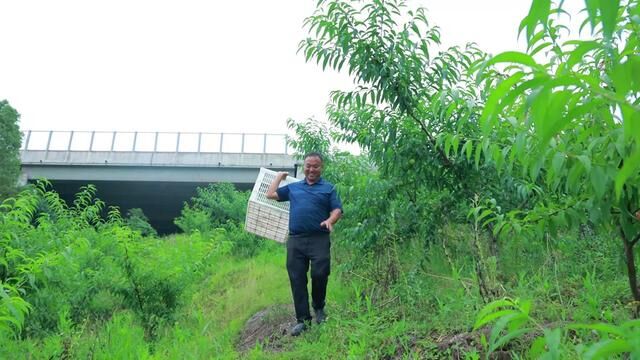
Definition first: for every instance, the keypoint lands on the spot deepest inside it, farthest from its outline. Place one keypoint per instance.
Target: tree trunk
(631, 269)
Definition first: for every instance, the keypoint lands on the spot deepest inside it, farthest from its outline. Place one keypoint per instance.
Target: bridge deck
(141, 166)
(167, 157)
(141, 170)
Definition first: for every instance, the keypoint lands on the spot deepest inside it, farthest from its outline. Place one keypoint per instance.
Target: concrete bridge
(154, 171)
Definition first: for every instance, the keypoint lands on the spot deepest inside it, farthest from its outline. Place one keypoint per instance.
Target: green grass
(225, 300)
(427, 304)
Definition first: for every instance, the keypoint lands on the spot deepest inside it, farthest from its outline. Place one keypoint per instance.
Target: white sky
(190, 65)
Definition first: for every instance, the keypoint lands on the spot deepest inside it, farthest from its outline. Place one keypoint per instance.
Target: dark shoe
(320, 316)
(298, 329)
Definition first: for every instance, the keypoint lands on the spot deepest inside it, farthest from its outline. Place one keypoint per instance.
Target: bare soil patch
(270, 327)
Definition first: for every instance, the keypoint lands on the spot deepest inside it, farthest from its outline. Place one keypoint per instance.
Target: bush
(221, 203)
(193, 219)
(59, 260)
(220, 207)
(244, 244)
(138, 221)
(10, 141)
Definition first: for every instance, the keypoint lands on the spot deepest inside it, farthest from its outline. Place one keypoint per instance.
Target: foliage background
(492, 214)
(10, 141)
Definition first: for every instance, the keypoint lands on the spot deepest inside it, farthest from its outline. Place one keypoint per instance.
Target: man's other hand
(327, 224)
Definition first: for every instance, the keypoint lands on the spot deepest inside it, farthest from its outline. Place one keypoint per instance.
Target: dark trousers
(302, 250)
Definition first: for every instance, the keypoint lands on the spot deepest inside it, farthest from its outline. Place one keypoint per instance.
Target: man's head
(313, 166)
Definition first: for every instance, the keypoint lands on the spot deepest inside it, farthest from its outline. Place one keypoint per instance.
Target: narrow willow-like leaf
(515, 57)
(487, 119)
(478, 153)
(599, 181)
(592, 11)
(585, 160)
(606, 349)
(600, 327)
(609, 14)
(578, 53)
(538, 13)
(508, 337)
(540, 48)
(489, 308)
(501, 325)
(493, 316)
(631, 165)
(556, 119)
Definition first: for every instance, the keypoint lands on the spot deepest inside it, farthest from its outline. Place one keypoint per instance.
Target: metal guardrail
(134, 141)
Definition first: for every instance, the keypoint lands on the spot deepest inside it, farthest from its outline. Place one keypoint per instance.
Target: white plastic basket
(265, 217)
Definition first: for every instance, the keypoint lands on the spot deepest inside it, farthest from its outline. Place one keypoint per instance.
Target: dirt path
(270, 327)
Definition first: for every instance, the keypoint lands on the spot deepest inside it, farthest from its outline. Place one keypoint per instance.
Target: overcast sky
(190, 65)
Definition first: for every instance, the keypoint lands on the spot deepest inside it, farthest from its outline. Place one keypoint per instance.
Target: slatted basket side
(266, 217)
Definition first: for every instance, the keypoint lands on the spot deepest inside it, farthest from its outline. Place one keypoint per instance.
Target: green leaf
(515, 57)
(585, 161)
(540, 48)
(578, 53)
(508, 337)
(599, 181)
(634, 71)
(484, 214)
(537, 348)
(627, 325)
(622, 78)
(535, 38)
(326, 60)
(534, 168)
(539, 105)
(553, 339)
(491, 107)
(592, 11)
(631, 123)
(538, 13)
(501, 324)
(455, 143)
(493, 316)
(490, 307)
(555, 119)
(477, 154)
(629, 168)
(447, 144)
(608, 14)
(605, 349)
(602, 328)
(558, 162)
(468, 149)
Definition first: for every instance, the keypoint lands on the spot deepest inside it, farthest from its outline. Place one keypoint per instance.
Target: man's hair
(314, 154)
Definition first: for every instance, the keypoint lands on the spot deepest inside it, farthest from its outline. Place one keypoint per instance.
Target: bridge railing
(134, 141)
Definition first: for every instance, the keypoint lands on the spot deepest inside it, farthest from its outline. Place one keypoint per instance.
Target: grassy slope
(424, 308)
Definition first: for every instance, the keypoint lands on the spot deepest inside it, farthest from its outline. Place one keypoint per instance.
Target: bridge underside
(160, 201)
(158, 183)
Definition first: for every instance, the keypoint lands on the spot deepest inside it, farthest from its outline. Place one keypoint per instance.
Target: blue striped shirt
(309, 205)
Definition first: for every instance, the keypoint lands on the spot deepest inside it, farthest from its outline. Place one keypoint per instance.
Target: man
(314, 208)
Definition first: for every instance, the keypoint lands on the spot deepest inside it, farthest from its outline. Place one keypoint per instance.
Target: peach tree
(565, 117)
(549, 137)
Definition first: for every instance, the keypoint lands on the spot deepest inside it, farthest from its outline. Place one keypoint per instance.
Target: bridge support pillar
(23, 179)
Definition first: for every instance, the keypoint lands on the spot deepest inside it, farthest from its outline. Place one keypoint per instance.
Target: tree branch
(635, 240)
(424, 129)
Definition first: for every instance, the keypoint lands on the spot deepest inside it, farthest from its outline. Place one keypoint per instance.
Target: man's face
(312, 168)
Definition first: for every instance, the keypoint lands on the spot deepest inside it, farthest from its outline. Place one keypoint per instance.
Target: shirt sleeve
(283, 193)
(334, 200)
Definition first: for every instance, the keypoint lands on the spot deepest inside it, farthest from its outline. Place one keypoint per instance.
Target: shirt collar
(319, 182)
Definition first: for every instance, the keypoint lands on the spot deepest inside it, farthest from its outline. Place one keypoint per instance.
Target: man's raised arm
(271, 191)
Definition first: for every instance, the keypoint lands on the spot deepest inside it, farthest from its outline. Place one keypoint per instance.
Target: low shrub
(138, 221)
